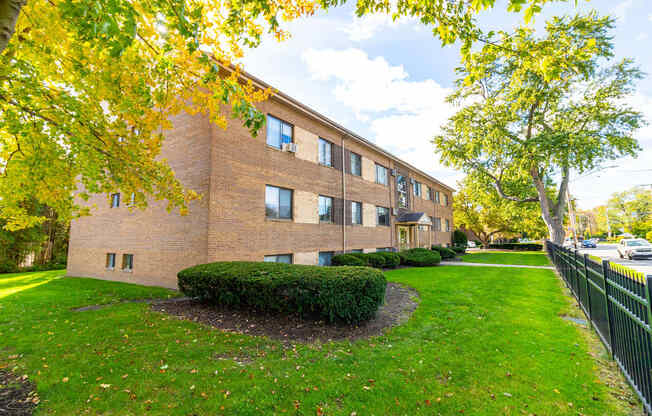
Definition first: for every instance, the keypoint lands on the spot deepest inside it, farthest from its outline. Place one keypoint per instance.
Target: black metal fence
(616, 300)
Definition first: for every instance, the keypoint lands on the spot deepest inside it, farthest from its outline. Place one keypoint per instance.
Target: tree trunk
(552, 216)
(9, 11)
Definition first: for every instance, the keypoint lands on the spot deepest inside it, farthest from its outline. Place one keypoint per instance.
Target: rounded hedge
(459, 249)
(444, 252)
(419, 257)
(392, 260)
(347, 294)
(348, 260)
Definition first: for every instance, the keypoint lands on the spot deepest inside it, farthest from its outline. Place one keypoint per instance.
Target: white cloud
(403, 115)
(367, 26)
(621, 9)
(642, 36)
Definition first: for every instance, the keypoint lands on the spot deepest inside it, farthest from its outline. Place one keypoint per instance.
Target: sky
(387, 81)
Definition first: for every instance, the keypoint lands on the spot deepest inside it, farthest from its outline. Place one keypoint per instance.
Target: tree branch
(9, 11)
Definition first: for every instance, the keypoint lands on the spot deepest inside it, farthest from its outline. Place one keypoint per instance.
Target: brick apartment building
(303, 190)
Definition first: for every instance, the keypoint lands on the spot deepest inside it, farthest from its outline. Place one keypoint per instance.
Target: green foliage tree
(535, 108)
(87, 87)
(631, 211)
(459, 238)
(479, 208)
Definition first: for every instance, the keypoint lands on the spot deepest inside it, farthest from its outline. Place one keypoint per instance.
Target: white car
(470, 244)
(633, 248)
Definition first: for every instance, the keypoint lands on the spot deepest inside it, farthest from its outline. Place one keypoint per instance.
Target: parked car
(633, 248)
(470, 244)
(589, 244)
(569, 243)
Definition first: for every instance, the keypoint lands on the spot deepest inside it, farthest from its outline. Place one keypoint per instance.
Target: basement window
(115, 200)
(110, 261)
(127, 262)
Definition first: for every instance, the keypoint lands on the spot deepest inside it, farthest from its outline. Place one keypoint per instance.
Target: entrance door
(403, 238)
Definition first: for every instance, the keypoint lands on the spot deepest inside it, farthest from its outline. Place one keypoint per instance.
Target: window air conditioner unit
(393, 172)
(394, 212)
(412, 181)
(289, 147)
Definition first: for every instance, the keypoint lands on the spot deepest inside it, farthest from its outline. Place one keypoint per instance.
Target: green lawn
(526, 258)
(484, 341)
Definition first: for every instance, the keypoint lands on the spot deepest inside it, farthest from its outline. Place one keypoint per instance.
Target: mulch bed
(400, 302)
(17, 395)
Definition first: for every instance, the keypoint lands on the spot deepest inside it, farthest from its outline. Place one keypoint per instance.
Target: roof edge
(306, 109)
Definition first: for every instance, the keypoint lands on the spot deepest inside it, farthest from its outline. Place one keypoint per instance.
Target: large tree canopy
(537, 108)
(478, 208)
(87, 86)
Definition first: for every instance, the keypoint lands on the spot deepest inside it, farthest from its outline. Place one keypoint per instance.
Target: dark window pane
(325, 209)
(325, 151)
(284, 258)
(286, 133)
(325, 258)
(356, 213)
(273, 131)
(285, 210)
(271, 202)
(401, 187)
(356, 164)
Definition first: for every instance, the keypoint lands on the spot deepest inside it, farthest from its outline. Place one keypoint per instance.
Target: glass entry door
(403, 237)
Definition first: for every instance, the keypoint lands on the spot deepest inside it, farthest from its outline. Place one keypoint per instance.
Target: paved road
(609, 252)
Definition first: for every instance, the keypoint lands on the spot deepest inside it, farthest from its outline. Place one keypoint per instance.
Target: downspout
(343, 199)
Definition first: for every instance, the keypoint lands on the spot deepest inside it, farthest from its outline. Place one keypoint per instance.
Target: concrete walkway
(520, 266)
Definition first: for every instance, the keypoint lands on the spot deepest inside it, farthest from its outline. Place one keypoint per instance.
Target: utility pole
(571, 216)
(608, 223)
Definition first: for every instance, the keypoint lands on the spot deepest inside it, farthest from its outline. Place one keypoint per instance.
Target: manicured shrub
(444, 252)
(348, 294)
(348, 260)
(376, 260)
(419, 257)
(518, 246)
(392, 260)
(459, 238)
(459, 249)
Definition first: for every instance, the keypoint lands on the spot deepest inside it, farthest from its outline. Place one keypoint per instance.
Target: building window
(356, 213)
(356, 250)
(110, 261)
(381, 174)
(384, 249)
(383, 215)
(401, 188)
(325, 209)
(446, 200)
(115, 200)
(448, 226)
(325, 258)
(325, 152)
(429, 194)
(437, 224)
(279, 258)
(278, 203)
(127, 262)
(278, 132)
(417, 188)
(356, 164)
(437, 197)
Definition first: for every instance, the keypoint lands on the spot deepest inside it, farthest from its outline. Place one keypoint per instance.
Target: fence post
(648, 296)
(588, 288)
(607, 303)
